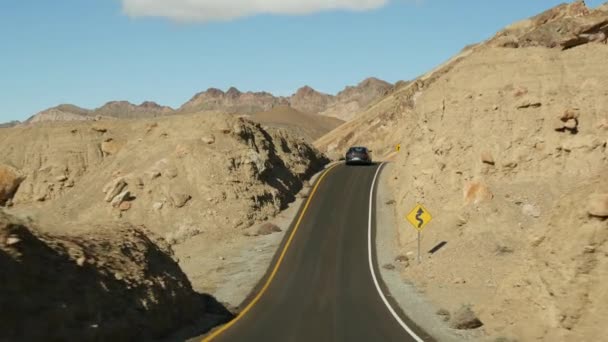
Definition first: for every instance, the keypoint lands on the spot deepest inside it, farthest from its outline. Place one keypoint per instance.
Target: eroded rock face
(93, 287)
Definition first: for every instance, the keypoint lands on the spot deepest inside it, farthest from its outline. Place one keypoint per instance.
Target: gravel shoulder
(411, 301)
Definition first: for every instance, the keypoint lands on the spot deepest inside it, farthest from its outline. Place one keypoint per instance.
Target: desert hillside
(178, 175)
(506, 145)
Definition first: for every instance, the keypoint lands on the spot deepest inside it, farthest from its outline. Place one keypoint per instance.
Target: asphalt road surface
(322, 287)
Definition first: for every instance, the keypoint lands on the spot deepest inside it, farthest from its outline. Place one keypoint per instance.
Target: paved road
(323, 288)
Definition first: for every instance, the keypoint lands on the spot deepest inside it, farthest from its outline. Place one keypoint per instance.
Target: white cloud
(215, 10)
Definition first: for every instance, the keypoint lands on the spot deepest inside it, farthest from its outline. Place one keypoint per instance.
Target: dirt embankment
(506, 145)
(116, 283)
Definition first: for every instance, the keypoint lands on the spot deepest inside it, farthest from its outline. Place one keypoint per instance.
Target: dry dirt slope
(507, 148)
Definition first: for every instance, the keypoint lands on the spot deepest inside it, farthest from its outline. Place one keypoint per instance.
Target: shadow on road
(215, 315)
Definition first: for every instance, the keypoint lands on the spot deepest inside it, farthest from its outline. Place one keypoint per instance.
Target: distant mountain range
(344, 105)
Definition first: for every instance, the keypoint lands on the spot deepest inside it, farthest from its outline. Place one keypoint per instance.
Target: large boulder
(10, 178)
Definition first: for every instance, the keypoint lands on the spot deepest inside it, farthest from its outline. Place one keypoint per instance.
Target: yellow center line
(276, 266)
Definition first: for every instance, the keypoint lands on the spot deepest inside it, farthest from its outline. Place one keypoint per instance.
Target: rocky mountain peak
(233, 92)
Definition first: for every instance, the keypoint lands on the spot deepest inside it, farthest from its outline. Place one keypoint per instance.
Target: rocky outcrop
(564, 27)
(231, 102)
(308, 100)
(115, 283)
(127, 110)
(354, 99)
(10, 179)
(64, 112)
(161, 173)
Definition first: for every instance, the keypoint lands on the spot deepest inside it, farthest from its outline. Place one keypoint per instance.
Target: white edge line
(371, 264)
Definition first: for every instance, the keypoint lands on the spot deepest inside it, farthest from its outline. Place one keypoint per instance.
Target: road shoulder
(411, 301)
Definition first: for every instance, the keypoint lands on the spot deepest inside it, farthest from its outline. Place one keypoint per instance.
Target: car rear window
(358, 149)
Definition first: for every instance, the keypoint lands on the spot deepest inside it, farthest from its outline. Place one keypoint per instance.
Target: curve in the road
(320, 288)
(277, 264)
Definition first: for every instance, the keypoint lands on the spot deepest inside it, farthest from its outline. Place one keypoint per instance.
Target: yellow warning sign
(419, 217)
(398, 147)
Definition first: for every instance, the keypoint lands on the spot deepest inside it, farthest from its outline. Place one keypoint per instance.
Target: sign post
(419, 217)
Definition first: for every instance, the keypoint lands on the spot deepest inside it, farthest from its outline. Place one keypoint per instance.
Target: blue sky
(88, 52)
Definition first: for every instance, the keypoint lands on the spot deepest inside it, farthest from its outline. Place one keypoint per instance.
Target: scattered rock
(509, 165)
(183, 233)
(80, 261)
(118, 199)
(502, 250)
(486, 157)
(465, 319)
(12, 240)
(598, 205)
(170, 172)
(208, 139)
(402, 259)
(114, 188)
(571, 125)
(181, 151)
(531, 210)
(157, 206)
(444, 314)
(459, 281)
(180, 199)
(390, 202)
(569, 114)
(61, 178)
(69, 183)
(99, 129)
(153, 174)
(268, 228)
(124, 206)
(529, 104)
(389, 267)
(537, 241)
(150, 127)
(476, 192)
(589, 249)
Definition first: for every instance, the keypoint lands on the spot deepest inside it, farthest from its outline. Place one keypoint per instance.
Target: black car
(358, 155)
